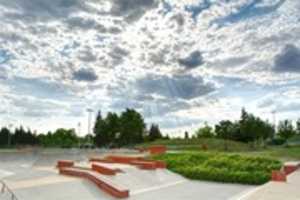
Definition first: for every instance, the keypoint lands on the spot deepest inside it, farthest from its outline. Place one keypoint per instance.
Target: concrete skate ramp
(32, 176)
(138, 181)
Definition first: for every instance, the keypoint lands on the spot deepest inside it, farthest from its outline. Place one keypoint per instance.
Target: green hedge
(222, 167)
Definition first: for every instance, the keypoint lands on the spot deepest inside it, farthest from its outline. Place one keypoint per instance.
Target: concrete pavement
(34, 177)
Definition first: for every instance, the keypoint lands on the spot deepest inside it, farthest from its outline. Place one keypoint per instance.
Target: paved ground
(33, 177)
(278, 190)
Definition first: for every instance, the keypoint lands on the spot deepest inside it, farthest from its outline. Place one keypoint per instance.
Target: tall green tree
(132, 128)
(286, 129)
(4, 136)
(205, 132)
(100, 131)
(298, 126)
(186, 135)
(112, 129)
(154, 133)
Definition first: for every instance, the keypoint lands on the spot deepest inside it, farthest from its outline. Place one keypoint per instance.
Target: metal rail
(4, 188)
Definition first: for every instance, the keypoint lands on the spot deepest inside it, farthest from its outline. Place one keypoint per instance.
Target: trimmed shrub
(222, 167)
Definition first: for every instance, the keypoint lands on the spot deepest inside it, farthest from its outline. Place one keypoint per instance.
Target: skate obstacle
(101, 182)
(287, 169)
(100, 171)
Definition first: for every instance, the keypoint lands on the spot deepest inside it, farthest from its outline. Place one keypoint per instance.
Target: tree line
(126, 129)
(129, 128)
(250, 129)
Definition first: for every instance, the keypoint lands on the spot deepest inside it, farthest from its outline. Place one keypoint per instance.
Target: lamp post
(89, 111)
(78, 133)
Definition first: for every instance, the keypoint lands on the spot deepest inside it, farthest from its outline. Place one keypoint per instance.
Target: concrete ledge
(154, 150)
(104, 170)
(115, 191)
(278, 176)
(144, 165)
(291, 167)
(140, 162)
(65, 163)
(123, 159)
(100, 160)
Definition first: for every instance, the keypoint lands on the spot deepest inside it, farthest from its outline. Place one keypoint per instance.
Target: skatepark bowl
(32, 175)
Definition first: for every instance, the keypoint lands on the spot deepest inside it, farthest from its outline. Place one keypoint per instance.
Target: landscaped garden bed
(221, 167)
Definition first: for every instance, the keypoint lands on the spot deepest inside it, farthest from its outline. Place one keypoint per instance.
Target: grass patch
(221, 167)
(198, 144)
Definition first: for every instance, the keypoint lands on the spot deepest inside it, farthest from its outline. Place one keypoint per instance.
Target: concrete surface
(277, 190)
(32, 176)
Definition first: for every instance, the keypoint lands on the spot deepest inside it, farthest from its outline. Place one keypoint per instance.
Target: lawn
(218, 145)
(221, 167)
(210, 144)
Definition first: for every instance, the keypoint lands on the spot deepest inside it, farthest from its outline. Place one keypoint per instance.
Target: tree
(186, 135)
(132, 128)
(286, 129)
(4, 136)
(112, 128)
(298, 127)
(226, 130)
(205, 132)
(65, 138)
(154, 133)
(101, 135)
(253, 129)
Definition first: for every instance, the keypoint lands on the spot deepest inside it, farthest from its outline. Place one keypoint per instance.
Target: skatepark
(32, 175)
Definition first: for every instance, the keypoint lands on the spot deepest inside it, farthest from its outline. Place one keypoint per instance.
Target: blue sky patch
(248, 11)
(4, 56)
(197, 9)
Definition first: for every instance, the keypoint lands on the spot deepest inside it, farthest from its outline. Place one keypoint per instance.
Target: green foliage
(286, 129)
(298, 127)
(106, 130)
(248, 129)
(205, 132)
(227, 130)
(63, 138)
(195, 144)
(186, 135)
(253, 128)
(154, 133)
(4, 136)
(126, 129)
(23, 137)
(221, 167)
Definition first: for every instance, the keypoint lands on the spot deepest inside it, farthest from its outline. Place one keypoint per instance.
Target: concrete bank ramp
(139, 181)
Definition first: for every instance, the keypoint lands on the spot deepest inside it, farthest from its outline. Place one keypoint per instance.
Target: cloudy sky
(179, 62)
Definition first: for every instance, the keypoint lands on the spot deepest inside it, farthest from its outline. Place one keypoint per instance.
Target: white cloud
(49, 41)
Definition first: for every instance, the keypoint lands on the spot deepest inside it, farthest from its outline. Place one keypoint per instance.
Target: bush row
(222, 167)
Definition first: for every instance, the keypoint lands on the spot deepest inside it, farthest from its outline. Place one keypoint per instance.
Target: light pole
(89, 111)
(78, 132)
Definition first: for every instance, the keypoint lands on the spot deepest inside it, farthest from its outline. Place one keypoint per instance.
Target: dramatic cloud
(288, 60)
(177, 86)
(195, 59)
(176, 62)
(195, 10)
(87, 75)
(132, 9)
(42, 10)
(250, 10)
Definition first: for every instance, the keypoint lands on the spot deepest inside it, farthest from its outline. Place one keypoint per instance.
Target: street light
(89, 111)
